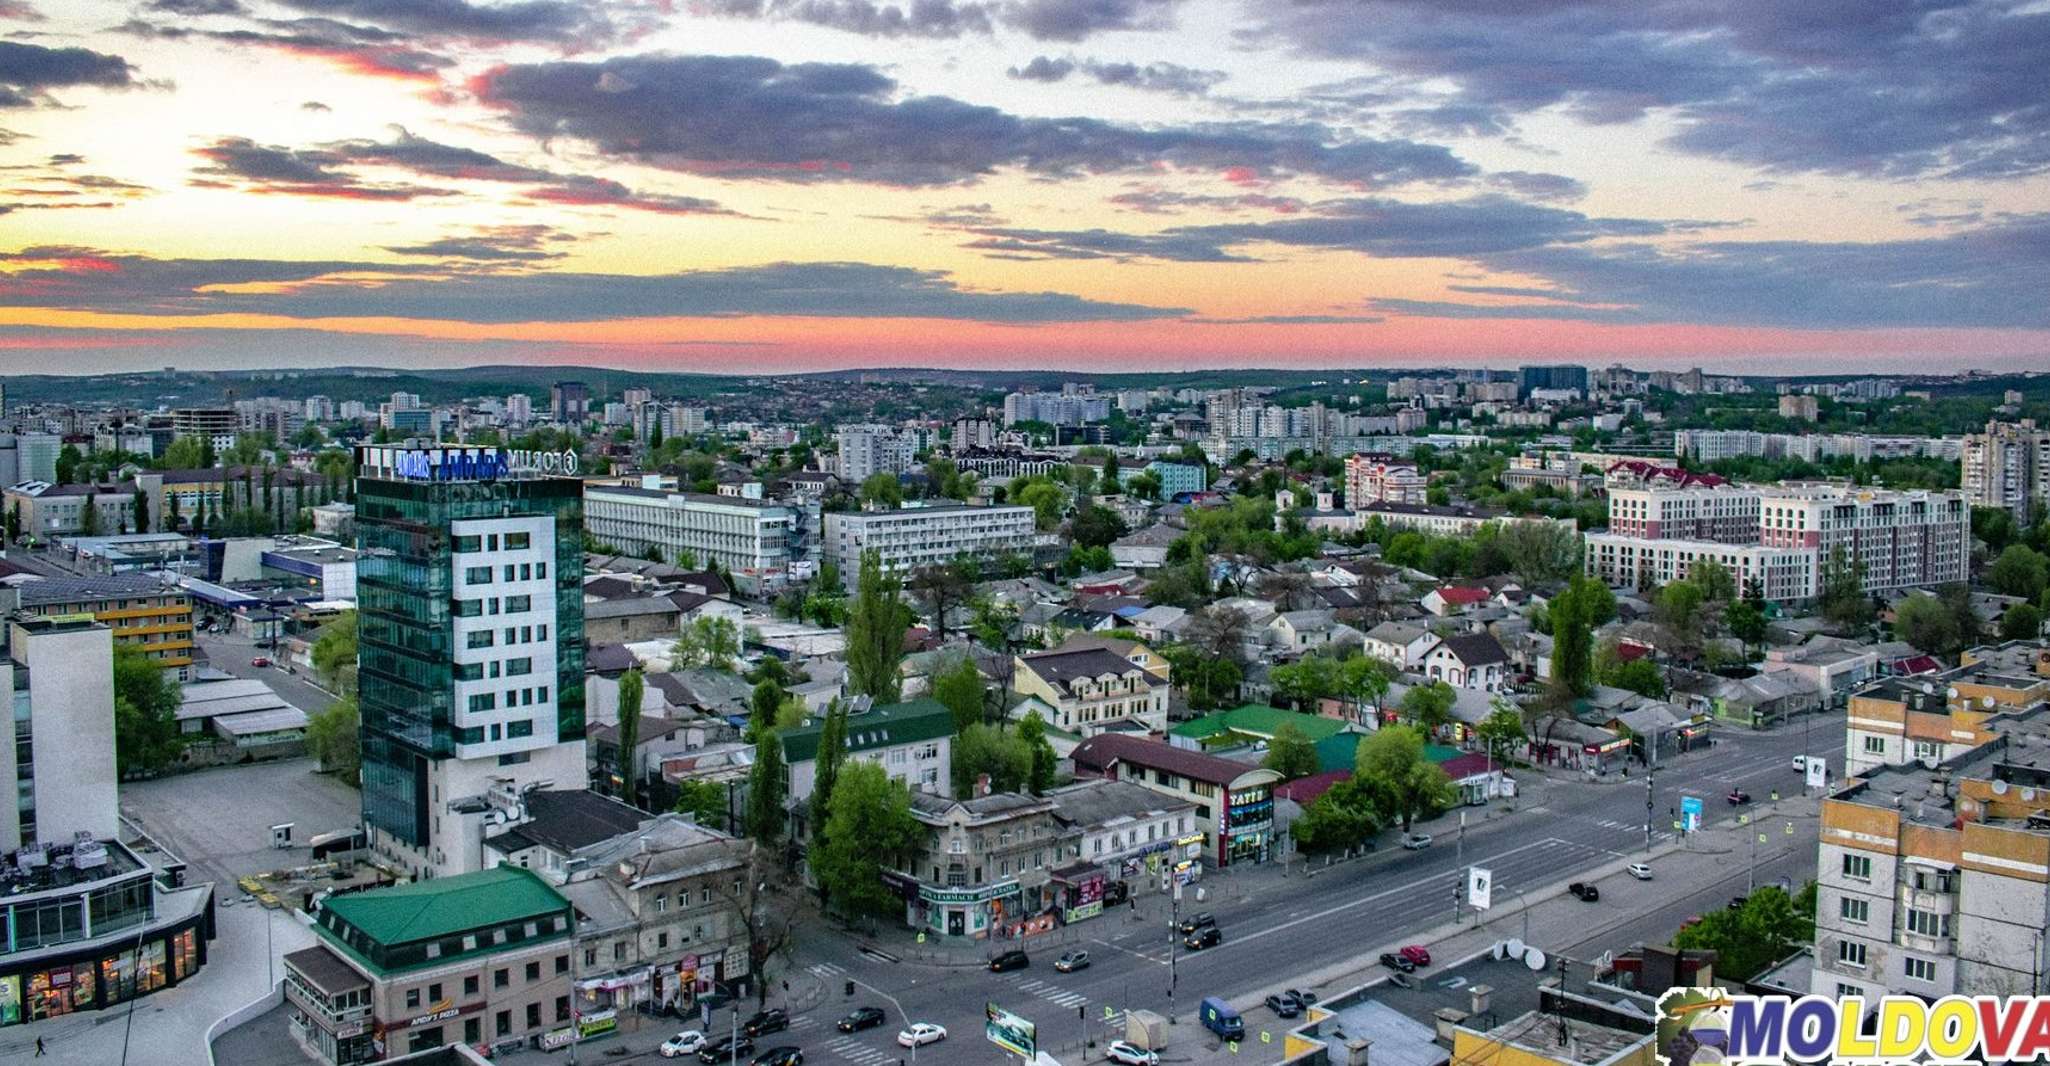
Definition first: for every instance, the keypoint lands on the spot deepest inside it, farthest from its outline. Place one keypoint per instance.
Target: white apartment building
(1932, 880)
(1785, 574)
(519, 409)
(1375, 479)
(57, 770)
(869, 449)
(2008, 467)
(1902, 539)
(746, 536)
(1056, 408)
(1724, 514)
(969, 434)
(916, 536)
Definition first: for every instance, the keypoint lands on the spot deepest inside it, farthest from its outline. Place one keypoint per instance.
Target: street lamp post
(1650, 785)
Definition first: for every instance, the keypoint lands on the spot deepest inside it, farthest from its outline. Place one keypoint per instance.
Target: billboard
(1480, 887)
(1817, 770)
(1009, 1031)
(1690, 813)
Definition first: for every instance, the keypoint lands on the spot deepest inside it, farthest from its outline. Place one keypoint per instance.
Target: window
(469, 608)
(1919, 969)
(1850, 953)
(1854, 910)
(469, 671)
(1875, 745)
(534, 970)
(533, 1015)
(541, 571)
(467, 544)
(479, 638)
(1928, 923)
(434, 992)
(522, 728)
(476, 575)
(519, 667)
(590, 958)
(472, 1031)
(661, 941)
(562, 1008)
(516, 542)
(509, 571)
(510, 632)
(562, 964)
(483, 701)
(662, 901)
(526, 571)
(619, 951)
(470, 985)
(516, 604)
(1858, 867)
(412, 999)
(504, 1022)
(501, 978)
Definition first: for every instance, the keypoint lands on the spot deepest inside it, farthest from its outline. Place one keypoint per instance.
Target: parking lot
(219, 820)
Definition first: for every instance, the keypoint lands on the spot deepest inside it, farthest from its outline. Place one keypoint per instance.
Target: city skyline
(743, 186)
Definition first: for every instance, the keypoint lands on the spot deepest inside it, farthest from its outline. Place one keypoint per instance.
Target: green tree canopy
(1405, 785)
(1290, 753)
(958, 685)
(1040, 757)
(883, 490)
(875, 634)
(332, 738)
(868, 825)
(146, 737)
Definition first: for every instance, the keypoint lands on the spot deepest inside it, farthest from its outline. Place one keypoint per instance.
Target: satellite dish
(1514, 948)
(1535, 959)
(1950, 692)
(1986, 702)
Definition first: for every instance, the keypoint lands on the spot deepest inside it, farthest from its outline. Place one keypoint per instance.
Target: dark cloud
(496, 244)
(1296, 320)
(1532, 185)
(1150, 77)
(1156, 201)
(314, 105)
(260, 168)
(1948, 88)
(364, 50)
(1046, 20)
(1382, 228)
(87, 279)
(579, 190)
(553, 21)
(28, 71)
(192, 8)
(755, 117)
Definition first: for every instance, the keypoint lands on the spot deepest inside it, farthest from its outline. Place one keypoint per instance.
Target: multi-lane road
(1278, 929)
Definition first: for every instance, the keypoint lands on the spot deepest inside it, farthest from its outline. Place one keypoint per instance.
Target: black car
(1206, 937)
(1013, 959)
(1587, 892)
(1737, 902)
(773, 1020)
(1397, 963)
(1197, 921)
(1284, 1005)
(1116, 893)
(729, 1050)
(862, 1018)
(779, 1056)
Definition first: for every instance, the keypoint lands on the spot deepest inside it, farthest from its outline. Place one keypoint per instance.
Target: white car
(919, 1034)
(684, 1043)
(1130, 1054)
(1416, 841)
(1640, 871)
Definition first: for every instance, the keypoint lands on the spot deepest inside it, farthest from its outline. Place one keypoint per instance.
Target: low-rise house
(1449, 600)
(659, 740)
(1234, 801)
(1125, 833)
(912, 742)
(986, 865)
(1092, 686)
(548, 826)
(1296, 632)
(1400, 643)
(1833, 667)
(1144, 549)
(1159, 623)
(1471, 661)
(480, 958)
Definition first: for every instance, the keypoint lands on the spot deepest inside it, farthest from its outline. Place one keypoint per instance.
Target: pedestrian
(39, 1048)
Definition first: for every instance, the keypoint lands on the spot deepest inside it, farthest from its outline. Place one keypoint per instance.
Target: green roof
(881, 727)
(1259, 721)
(1439, 753)
(446, 906)
(1339, 751)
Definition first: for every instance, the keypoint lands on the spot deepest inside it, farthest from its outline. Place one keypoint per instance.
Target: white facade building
(746, 536)
(60, 676)
(916, 536)
(869, 450)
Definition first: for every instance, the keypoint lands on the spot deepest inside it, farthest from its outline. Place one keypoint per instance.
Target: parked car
(1417, 954)
(1738, 797)
(1801, 763)
(1415, 841)
(259, 661)
(684, 1043)
(1126, 1054)
(773, 1020)
(1586, 891)
(1197, 921)
(1013, 959)
(1206, 937)
(727, 1049)
(919, 1034)
(1640, 871)
(1396, 962)
(861, 1018)
(1116, 893)
(1303, 996)
(779, 1056)
(1070, 961)
(1284, 1005)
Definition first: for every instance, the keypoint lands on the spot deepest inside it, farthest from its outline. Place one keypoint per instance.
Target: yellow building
(141, 611)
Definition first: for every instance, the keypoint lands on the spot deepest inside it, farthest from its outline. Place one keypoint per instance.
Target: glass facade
(405, 584)
(101, 976)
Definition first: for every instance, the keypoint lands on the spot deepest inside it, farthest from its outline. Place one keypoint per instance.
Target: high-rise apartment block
(866, 450)
(569, 401)
(1379, 479)
(2008, 467)
(917, 536)
(471, 617)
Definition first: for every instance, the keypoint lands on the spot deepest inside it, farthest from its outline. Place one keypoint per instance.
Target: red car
(260, 660)
(1417, 955)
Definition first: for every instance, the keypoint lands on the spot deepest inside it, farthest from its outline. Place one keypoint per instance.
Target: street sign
(1480, 887)
(1010, 1032)
(1817, 771)
(1690, 813)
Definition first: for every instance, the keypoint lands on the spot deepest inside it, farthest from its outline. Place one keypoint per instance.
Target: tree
(2019, 571)
(958, 686)
(184, 453)
(832, 755)
(1305, 681)
(1745, 622)
(1585, 604)
(883, 490)
(1924, 622)
(1763, 930)
(1641, 676)
(875, 634)
(1405, 785)
(631, 689)
(138, 511)
(89, 516)
(1539, 552)
(704, 801)
(1096, 527)
(1714, 580)
(332, 738)
(984, 749)
(1145, 485)
(1219, 632)
(1364, 680)
(1340, 818)
(943, 588)
(1502, 730)
(1290, 753)
(868, 824)
(992, 622)
(767, 915)
(1039, 753)
(710, 641)
(1046, 499)
(68, 461)
(1429, 706)
(1842, 596)
(767, 782)
(1677, 609)
(146, 737)
(2021, 622)
(334, 653)
(762, 704)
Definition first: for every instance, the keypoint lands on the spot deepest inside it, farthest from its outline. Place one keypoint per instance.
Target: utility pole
(1650, 784)
(1174, 923)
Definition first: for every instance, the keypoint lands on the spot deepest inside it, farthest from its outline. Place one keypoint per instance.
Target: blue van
(1222, 1018)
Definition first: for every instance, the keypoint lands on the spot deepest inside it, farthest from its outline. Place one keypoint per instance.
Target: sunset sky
(742, 186)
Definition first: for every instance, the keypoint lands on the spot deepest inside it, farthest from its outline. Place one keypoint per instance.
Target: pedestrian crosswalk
(825, 969)
(1052, 993)
(852, 1048)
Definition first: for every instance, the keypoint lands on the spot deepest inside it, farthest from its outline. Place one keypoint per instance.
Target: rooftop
(879, 727)
(446, 906)
(1100, 752)
(1062, 668)
(566, 820)
(53, 590)
(1258, 720)
(1103, 802)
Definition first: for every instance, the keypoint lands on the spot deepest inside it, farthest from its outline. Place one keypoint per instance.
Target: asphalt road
(1276, 929)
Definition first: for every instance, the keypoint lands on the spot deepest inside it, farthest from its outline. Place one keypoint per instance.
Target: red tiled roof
(1100, 752)
(1305, 789)
(1462, 594)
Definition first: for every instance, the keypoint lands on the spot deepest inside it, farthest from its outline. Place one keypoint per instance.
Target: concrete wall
(71, 694)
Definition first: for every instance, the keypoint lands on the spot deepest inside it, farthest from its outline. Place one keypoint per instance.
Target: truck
(1146, 1029)
(1222, 1018)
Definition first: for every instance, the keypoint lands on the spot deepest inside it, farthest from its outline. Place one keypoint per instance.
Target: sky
(757, 186)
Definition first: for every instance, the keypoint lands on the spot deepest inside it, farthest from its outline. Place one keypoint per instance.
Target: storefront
(966, 912)
(1248, 826)
(104, 974)
(1078, 891)
(1606, 755)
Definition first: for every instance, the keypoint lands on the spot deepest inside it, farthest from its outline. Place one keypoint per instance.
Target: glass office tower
(470, 635)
